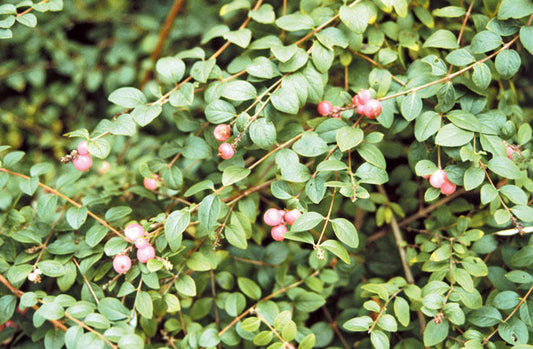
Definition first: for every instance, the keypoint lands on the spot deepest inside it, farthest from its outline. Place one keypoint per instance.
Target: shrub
(388, 140)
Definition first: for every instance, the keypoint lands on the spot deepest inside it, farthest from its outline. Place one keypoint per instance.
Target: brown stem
(335, 327)
(31, 8)
(167, 25)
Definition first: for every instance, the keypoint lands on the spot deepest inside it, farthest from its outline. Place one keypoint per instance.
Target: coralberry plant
(259, 173)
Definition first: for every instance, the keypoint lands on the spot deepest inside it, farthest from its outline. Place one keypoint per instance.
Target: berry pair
(277, 219)
(83, 161)
(325, 108)
(222, 133)
(134, 232)
(439, 179)
(366, 105)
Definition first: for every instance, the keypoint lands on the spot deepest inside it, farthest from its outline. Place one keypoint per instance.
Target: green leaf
(263, 133)
(504, 167)
(233, 174)
(308, 301)
(295, 22)
(442, 38)
(8, 9)
(130, 340)
(262, 67)
(486, 316)
(526, 38)
(524, 213)
(473, 177)
(200, 70)
(426, 125)
(436, 333)
(519, 276)
(307, 221)
(51, 268)
(507, 63)
(170, 69)
(12, 158)
(185, 285)
(127, 97)
(286, 100)
(145, 114)
(209, 210)
(481, 75)
(322, 57)
(331, 37)
(238, 90)
(122, 126)
(464, 120)
(249, 288)
(144, 305)
(345, 232)
(97, 321)
(198, 262)
(176, 224)
(449, 11)
(184, 96)
(117, 213)
(356, 18)
(348, 137)
(29, 20)
(401, 310)
(6, 34)
(337, 249)
(8, 304)
(379, 340)
(411, 106)
(358, 324)
(485, 41)
(219, 111)
(95, 235)
(460, 57)
(241, 37)
(372, 154)
(113, 309)
(51, 311)
(452, 136)
(236, 236)
(99, 147)
(76, 216)
(310, 145)
(514, 9)
(371, 174)
(264, 14)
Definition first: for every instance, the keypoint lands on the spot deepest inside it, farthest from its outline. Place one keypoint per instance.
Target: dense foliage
(211, 204)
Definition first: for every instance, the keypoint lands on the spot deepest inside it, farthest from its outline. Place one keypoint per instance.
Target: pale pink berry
(324, 108)
(447, 188)
(362, 97)
(104, 168)
(82, 148)
(145, 254)
(273, 216)
(222, 132)
(225, 151)
(141, 243)
(438, 178)
(373, 109)
(360, 109)
(511, 150)
(134, 231)
(83, 162)
(150, 183)
(121, 263)
(289, 346)
(292, 216)
(278, 231)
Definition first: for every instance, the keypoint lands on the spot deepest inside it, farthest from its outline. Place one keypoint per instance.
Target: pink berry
(141, 243)
(373, 109)
(145, 254)
(225, 151)
(360, 109)
(510, 152)
(362, 97)
(278, 231)
(292, 216)
(273, 216)
(134, 231)
(222, 132)
(121, 263)
(447, 188)
(150, 183)
(324, 108)
(438, 178)
(82, 148)
(83, 162)
(104, 168)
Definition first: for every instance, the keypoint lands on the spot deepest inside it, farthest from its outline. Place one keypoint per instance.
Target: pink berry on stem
(134, 231)
(141, 243)
(145, 254)
(121, 263)
(273, 216)
(373, 109)
(360, 109)
(82, 148)
(151, 183)
(278, 231)
(83, 162)
(292, 216)
(324, 108)
(222, 132)
(225, 151)
(447, 188)
(363, 97)
(438, 178)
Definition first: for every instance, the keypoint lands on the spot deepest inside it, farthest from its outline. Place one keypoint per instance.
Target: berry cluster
(135, 233)
(83, 161)
(277, 220)
(439, 179)
(363, 102)
(222, 132)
